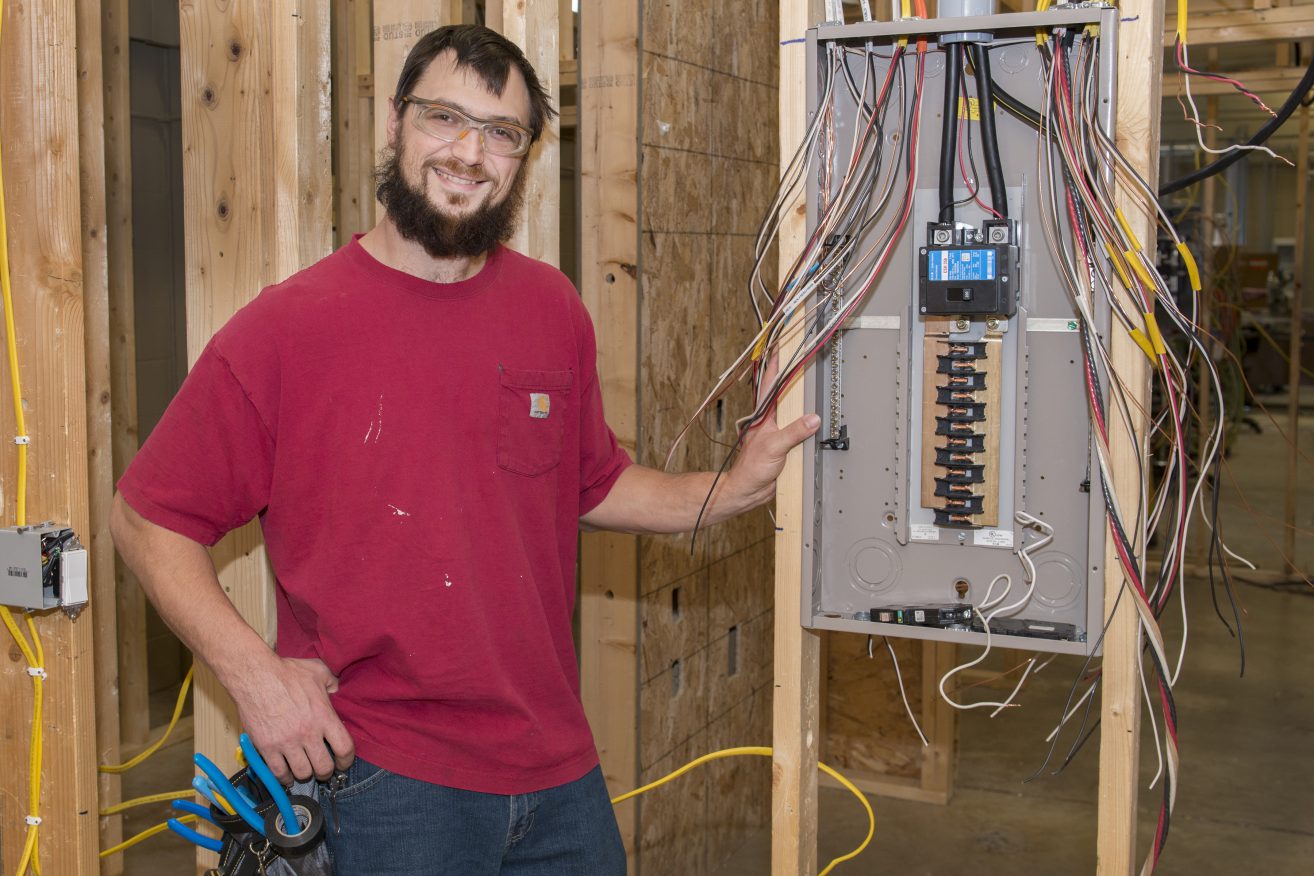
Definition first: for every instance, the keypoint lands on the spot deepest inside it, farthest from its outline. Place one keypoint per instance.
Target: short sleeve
(602, 459)
(207, 466)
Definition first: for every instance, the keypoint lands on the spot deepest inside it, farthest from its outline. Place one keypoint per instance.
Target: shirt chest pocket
(532, 408)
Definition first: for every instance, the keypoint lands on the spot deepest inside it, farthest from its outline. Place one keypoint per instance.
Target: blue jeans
(380, 823)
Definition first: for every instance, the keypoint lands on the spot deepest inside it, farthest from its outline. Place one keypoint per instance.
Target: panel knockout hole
(961, 586)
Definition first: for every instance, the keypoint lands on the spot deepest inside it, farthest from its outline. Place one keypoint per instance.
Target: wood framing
(1251, 26)
(1137, 129)
(1296, 330)
(130, 602)
(796, 702)
(608, 278)
(353, 119)
(254, 82)
(39, 134)
(99, 447)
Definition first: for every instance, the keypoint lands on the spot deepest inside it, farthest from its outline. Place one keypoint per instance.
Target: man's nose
(469, 146)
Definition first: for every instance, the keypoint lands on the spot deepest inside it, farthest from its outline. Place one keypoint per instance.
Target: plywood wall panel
(673, 624)
(671, 714)
(672, 838)
(867, 729)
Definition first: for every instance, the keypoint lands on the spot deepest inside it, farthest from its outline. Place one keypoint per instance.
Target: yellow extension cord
(764, 751)
(115, 769)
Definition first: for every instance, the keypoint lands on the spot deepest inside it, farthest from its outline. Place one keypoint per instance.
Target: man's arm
(283, 703)
(647, 500)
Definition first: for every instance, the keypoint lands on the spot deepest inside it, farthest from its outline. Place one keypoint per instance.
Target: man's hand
(286, 711)
(752, 478)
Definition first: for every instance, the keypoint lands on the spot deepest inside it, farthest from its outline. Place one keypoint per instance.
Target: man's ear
(394, 121)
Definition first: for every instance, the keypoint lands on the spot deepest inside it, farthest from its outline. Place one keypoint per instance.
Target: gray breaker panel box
(870, 543)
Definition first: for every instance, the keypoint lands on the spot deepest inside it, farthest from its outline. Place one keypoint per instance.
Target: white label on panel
(993, 538)
(923, 532)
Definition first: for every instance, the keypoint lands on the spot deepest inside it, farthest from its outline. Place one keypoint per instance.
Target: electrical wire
(159, 743)
(145, 835)
(765, 751)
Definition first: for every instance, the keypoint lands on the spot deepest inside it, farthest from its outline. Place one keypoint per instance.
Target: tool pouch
(298, 850)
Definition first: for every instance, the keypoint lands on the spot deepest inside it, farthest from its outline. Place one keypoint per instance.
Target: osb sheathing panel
(867, 728)
(669, 715)
(673, 838)
(673, 622)
(737, 786)
(726, 691)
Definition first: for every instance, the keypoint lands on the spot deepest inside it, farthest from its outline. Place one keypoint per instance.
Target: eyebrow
(456, 106)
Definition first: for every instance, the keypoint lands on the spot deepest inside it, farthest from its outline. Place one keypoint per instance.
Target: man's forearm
(177, 575)
(649, 501)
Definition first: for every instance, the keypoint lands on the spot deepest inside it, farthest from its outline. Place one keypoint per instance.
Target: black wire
(1013, 105)
(1261, 136)
(949, 131)
(989, 139)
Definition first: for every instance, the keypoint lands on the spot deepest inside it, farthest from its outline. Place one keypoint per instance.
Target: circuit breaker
(955, 428)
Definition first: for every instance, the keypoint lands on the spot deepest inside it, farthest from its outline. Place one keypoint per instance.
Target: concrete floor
(1246, 797)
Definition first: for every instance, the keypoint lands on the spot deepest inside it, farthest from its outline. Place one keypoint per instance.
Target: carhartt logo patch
(540, 405)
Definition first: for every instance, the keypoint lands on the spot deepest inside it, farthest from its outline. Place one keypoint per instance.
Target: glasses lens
(442, 122)
(504, 140)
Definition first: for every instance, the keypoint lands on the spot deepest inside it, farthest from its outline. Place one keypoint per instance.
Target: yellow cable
(145, 835)
(164, 797)
(764, 751)
(155, 746)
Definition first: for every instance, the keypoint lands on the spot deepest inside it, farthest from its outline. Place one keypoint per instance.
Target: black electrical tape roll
(310, 828)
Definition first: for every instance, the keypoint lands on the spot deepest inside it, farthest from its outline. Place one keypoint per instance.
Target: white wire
(903, 693)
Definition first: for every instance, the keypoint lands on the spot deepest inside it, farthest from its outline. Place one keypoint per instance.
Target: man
(417, 422)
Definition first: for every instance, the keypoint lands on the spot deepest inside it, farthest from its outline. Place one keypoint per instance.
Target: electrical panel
(955, 442)
(42, 566)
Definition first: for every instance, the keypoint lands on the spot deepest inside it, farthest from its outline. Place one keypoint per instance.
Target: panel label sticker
(1002, 538)
(923, 532)
(960, 264)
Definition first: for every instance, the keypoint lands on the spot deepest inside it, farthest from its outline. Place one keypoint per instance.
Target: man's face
(454, 198)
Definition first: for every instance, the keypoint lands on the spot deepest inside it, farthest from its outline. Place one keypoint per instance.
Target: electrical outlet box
(42, 566)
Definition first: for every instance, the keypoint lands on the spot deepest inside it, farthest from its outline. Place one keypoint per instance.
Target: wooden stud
(353, 114)
(249, 224)
(1139, 76)
(1250, 26)
(39, 130)
(100, 458)
(609, 255)
(1293, 351)
(796, 701)
(533, 25)
(134, 686)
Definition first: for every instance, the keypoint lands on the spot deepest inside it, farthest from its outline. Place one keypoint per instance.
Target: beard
(442, 234)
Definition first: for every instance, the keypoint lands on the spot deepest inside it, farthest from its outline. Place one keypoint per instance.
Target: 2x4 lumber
(796, 700)
(100, 457)
(130, 601)
(1293, 352)
(1139, 77)
(534, 27)
(353, 157)
(1283, 23)
(254, 82)
(609, 255)
(39, 134)
(397, 27)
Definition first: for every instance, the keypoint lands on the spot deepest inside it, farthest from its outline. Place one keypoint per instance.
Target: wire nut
(37, 671)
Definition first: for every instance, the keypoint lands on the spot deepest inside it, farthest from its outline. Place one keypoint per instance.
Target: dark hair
(486, 52)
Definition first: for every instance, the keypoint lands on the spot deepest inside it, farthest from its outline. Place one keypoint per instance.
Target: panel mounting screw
(992, 323)
(961, 324)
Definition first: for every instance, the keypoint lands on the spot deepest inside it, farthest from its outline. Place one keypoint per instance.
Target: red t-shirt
(419, 455)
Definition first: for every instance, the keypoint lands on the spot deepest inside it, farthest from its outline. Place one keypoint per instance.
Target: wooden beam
(39, 135)
(1139, 78)
(134, 686)
(254, 82)
(533, 25)
(796, 701)
(1293, 352)
(353, 115)
(397, 27)
(1252, 26)
(100, 456)
(609, 255)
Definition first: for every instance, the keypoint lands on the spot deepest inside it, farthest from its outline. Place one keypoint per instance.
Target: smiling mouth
(457, 180)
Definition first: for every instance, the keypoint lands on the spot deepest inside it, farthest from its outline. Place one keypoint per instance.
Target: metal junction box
(942, 419)
(42, 566)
